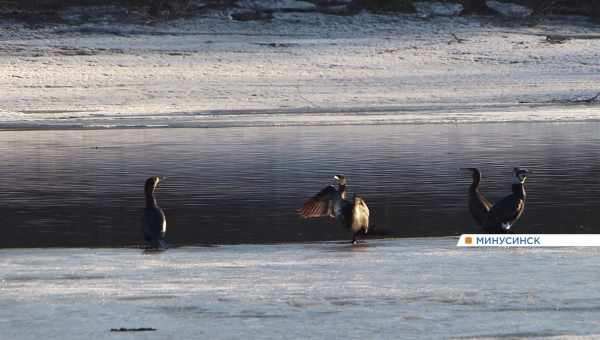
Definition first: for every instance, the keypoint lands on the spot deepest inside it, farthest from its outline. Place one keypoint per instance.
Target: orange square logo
(468, 240)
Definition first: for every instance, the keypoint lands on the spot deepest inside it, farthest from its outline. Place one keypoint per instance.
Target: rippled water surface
(383, 289)
(85, 187)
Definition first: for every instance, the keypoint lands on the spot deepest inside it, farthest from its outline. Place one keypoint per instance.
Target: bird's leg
(354, 240)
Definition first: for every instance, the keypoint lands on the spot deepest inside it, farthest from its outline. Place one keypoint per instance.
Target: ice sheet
(402, 288)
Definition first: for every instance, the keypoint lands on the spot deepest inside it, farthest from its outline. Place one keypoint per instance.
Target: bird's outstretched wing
(508, 210)
(319, 205)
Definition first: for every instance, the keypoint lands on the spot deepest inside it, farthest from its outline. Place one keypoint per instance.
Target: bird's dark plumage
(479, 206)
(331, 201)
(154, 221)
(508, 210)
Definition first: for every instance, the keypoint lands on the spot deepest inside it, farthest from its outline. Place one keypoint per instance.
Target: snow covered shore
(402, 289)
(299, 68)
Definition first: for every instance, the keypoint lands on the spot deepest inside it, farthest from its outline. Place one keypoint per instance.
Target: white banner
(529, 240)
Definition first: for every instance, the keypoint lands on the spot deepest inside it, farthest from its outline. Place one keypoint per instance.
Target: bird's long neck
(519, 190)
(475, 185)
(342, 190)
(150, 199)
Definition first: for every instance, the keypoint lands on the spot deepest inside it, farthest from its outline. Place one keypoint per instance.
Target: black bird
(331, 201)
(507, 211)
(479, 206)
(155, 222)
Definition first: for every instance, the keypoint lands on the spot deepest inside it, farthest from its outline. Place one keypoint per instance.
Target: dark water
(229, 185)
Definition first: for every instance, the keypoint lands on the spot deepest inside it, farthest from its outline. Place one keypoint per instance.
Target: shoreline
(307, 117)
(340, 241)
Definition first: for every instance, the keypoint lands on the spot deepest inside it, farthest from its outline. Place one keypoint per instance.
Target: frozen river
(393, 289)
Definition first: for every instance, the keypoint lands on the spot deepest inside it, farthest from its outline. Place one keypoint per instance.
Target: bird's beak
(336, 177)
(162, 178)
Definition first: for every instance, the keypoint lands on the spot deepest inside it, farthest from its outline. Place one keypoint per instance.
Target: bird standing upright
(331, 201)
(507, 211)
(154, 222)
(479, 206)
